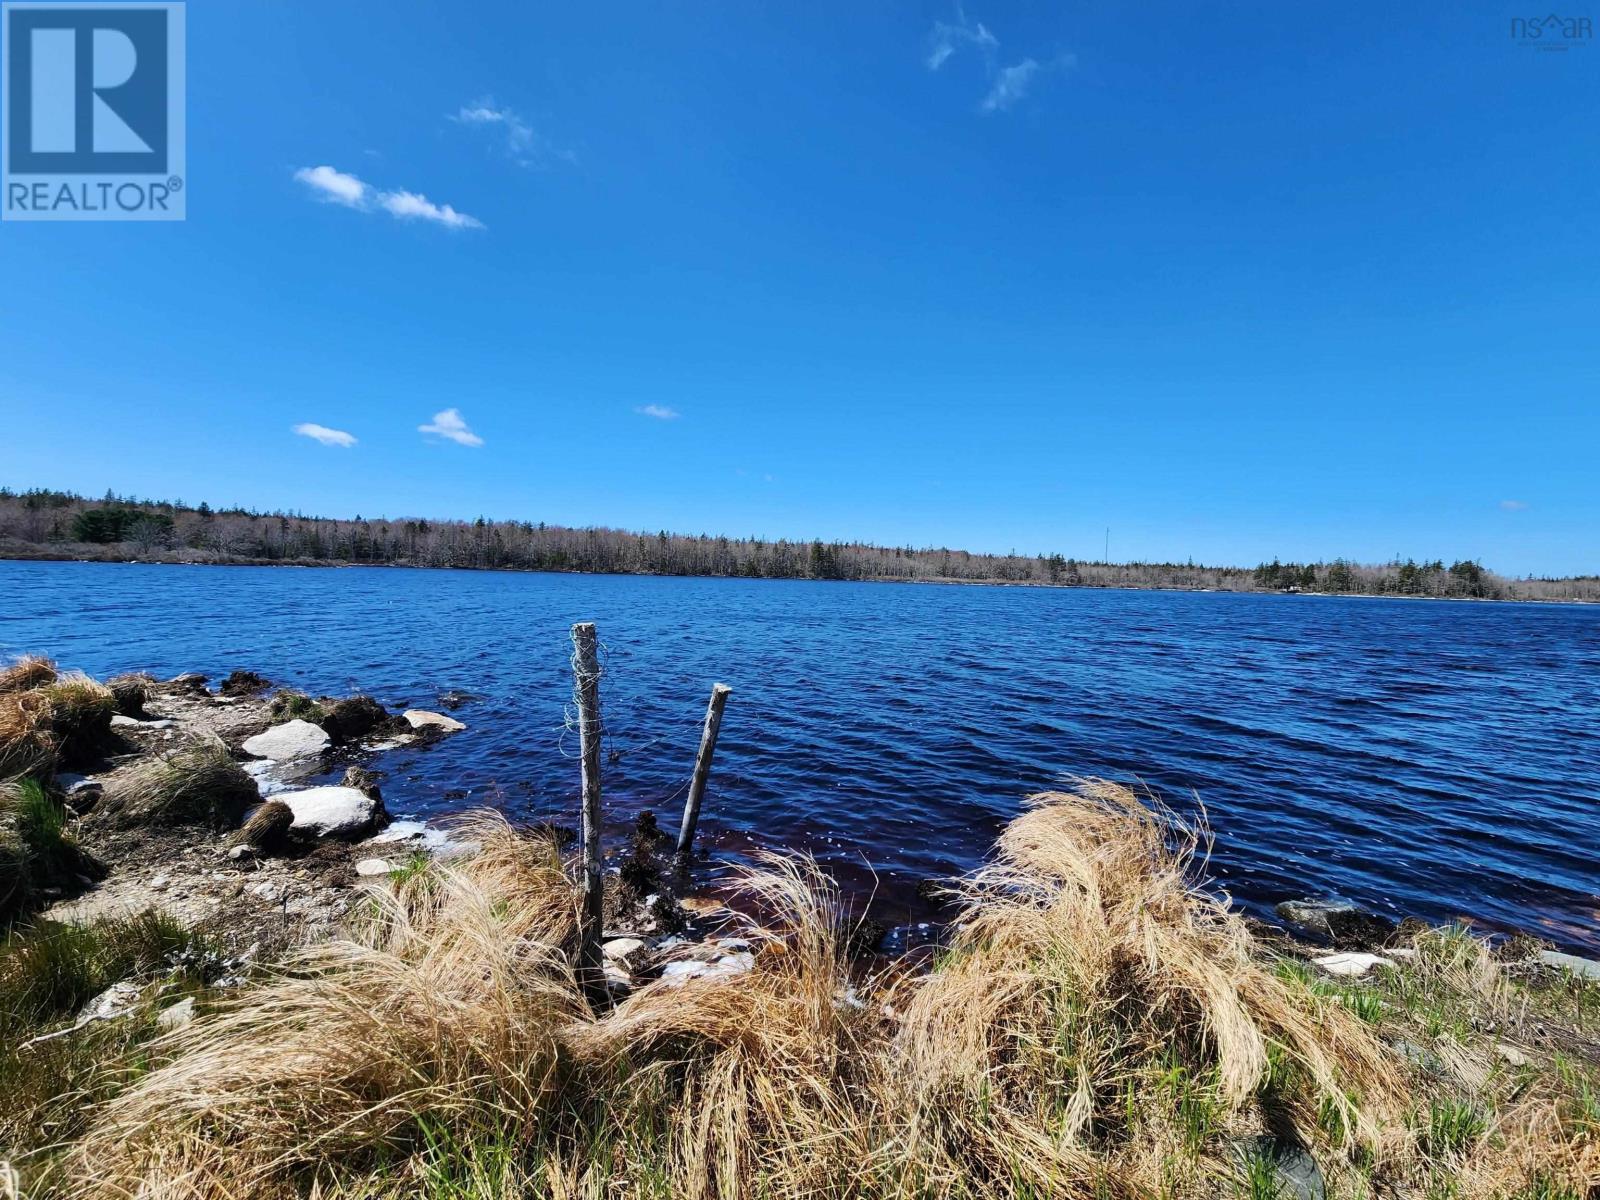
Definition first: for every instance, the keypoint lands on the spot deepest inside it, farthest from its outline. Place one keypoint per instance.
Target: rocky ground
(258, 901)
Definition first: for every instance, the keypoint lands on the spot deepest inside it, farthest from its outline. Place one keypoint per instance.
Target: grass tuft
(1098, 1027)
(197, 784)
(36, 852)
(132, 692)
(290, 705)
(28, 672)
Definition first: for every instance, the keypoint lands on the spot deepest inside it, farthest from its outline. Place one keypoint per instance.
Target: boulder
(191, 681)
(244, 683)
(372, 867)
(419, 718)
(332, 812)
(1295, 1174)
(1342, 922)
(346, 720)
(292, 739)
(176, 1016)
(364, 781)
(1583, 968)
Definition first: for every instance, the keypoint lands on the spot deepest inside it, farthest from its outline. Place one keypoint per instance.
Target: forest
(43, 523)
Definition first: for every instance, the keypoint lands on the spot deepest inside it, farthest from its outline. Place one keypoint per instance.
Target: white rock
(118, 721)
(1353, 964)
(423, 836)
(618, 982)
(292, 739)
(1512, 1054)
(241, 853)
(374, 866)
(729, 965)
(419, 718)
(159, 883)
(266, 890)
(178, 1015)
(1583, 968)
(113, 1002)
(624, 951)
(334, 811)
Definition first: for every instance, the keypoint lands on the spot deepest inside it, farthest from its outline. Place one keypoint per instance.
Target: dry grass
(48, 719)
(28, 745)
(132, 691)
(195, 784)
(80, 711)
(1097, 1028)
(26, 673)
(445, 1007)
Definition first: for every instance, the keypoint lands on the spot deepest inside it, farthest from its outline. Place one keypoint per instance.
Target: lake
(1422, 758)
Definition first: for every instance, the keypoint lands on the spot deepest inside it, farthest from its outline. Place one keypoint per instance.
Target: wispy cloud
(949, 36)
(1513, 505)
(321, 433)
(659, 411)
(522, 143)
(338, 187)
(449, 424)
(413, 205)
(1007, 85)
(1010, 85)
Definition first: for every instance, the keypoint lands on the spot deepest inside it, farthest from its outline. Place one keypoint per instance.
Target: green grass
(48, 972)
(1260, 1178)
(1453, 1126)
(290, 705)
(36, 851)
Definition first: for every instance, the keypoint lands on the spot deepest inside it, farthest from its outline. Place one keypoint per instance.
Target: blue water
(1423, 758)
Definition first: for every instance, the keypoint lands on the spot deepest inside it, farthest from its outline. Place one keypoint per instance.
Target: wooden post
(702, 770)
(586, 692)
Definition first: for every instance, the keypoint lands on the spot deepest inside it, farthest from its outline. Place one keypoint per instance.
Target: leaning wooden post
(702, 770)
(586, 692)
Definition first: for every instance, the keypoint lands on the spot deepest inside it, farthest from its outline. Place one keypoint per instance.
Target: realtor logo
(93, 127)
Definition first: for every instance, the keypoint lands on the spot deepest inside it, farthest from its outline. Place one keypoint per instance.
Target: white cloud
(522, 142)
(1513, 505)
(1007, 85)
(339, 188)
(413, 205)
(659, 411)
(947, 37)
(449, 424)
(519, 134)
(321, 433)
(334, 185)
(1010, 85)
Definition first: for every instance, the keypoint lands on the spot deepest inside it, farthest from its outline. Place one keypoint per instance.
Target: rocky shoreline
(288, 872)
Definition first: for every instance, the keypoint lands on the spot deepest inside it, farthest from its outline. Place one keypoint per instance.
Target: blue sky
(1236, 281)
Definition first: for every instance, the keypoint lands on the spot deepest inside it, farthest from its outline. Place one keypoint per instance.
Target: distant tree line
(44, 523)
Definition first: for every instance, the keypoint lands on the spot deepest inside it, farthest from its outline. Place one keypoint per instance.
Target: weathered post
(586, 693)
(702, 770)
